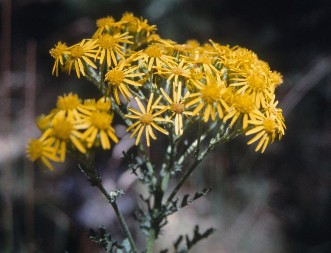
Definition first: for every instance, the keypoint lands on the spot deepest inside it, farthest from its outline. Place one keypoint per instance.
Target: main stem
(151, 240)
(118, 214)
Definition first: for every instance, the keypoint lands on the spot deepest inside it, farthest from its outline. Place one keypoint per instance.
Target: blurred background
(276, 202)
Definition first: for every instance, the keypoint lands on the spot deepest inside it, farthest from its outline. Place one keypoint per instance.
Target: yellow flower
(130, 21)
(71, 106)
(59, 52)
(103, 104)
(44, 121)
(209, 97)
(147, 119)
(155, 38)
(110, 47)
(242, 105)
(61, 132)
(154, 55)
(79, 54)
(266, 128)
(177, 107)
(277, 113)
(203, 60)
(104, 24)
(276, 79)
(42, 150)
(98, 127)
(175, 71)
(119, 78)
(144, 27)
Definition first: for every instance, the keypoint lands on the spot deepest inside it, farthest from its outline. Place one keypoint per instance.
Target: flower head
(175, 71)
(62, 132)
(147, 119)
(154, 56)
(110, 47)
(80, 54)
(43, 151)
(266, 128)
(243, 105)
(104, 24)
(59, 52)
(119, 78)
(71, 106)
(209, 97)
(176, 105)
(98, 129)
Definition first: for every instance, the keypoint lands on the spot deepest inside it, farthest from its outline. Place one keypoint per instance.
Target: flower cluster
(72, 126)
(156, 84)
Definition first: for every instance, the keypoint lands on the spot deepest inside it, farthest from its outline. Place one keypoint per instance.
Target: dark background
(276, 202)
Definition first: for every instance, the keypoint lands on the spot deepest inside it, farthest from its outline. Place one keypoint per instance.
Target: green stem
(182, 180)
(151, 241)
(118, 214)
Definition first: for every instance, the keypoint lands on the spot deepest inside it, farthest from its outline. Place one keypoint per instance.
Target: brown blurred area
(276, 202)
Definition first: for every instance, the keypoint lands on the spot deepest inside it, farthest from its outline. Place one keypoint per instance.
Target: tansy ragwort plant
(197, 96)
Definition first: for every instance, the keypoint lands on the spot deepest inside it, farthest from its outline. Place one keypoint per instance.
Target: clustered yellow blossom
(157, 84)
(73, 125)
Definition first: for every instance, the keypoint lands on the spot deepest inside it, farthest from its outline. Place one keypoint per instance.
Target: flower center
(107, 41)
(146, 118)
(62, 128)
(101, 120)
(257, 82)
(115, 76)
(68, 102)
(153, 51)
(35, 149)
(58, 50)
(244, 103)
(177, 108)
(211, 93)
(77, 51)
(177, 71)
(269, 125)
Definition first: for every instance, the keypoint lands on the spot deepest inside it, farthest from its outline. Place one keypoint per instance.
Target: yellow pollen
(269, 125)
(77, 51)
(177, 108)
(62, 128)
(256, 82)
(115, 76)
(244, 103)
(153, 51)
(68, 102)
(101, 120)
(146, 118)
(211, 93)
(107, 41)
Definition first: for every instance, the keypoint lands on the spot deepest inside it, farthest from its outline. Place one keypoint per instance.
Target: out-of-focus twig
(306, 83)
